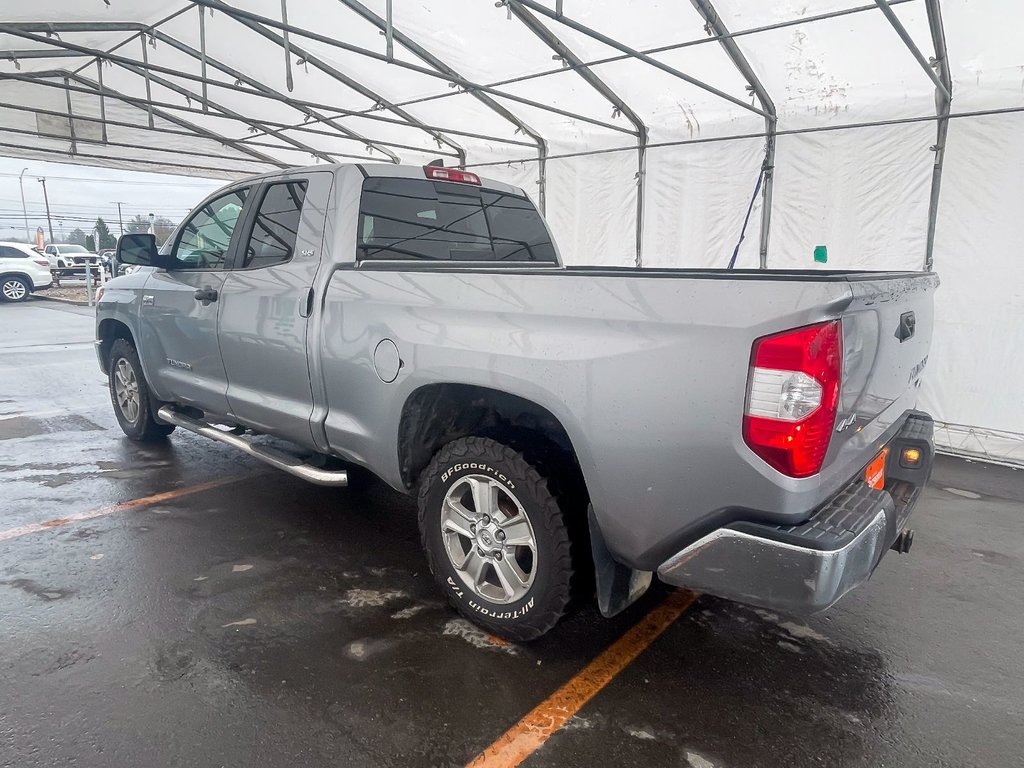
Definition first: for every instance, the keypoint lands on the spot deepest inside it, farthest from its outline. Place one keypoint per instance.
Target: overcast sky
(78, 194)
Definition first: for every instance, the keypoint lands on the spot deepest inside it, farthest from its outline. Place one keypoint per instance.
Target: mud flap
(618, 585)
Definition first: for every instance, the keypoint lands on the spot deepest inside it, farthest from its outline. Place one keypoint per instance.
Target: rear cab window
(442, 221)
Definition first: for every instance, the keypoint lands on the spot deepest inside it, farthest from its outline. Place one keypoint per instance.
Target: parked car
(750, 434)
(22, 271)
(68, 258)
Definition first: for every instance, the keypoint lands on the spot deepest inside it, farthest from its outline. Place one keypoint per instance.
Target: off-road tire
(547, 599)
(144, 428)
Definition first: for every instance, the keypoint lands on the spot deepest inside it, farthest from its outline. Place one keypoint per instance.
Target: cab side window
(204, 240)
(276, 226)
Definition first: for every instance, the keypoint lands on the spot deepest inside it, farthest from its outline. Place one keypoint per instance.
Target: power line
(212, 183)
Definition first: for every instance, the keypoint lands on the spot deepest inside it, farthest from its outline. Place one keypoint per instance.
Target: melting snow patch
(242, 623)
(577, 723)
(241, 568)
(408, 613)
(357, 650)
(476, 636)
(803, 632)
(641, 734)
(97, 556)
(965, 494)
(788, 646)
(371, 598)
(696, 761)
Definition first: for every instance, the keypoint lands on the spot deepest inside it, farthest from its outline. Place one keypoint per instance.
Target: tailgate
(887, 334)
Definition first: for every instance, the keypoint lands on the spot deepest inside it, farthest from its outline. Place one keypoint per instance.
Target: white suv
(22, 270)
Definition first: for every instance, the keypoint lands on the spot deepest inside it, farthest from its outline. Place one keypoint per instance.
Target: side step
(275, 458)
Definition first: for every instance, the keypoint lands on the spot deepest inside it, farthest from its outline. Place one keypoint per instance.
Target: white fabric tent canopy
(643, 128)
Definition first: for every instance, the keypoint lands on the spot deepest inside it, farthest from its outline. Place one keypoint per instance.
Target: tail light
(438, 173)
(793, 396)
(42, 262)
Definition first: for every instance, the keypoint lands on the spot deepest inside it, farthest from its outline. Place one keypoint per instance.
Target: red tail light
(450, 174)
(42, 262)
(792, 397)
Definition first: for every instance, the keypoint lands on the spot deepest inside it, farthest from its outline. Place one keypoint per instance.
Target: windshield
(72, 249)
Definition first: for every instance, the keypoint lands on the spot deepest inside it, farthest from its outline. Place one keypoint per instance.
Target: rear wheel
(495, 538)
(129, 394)
(15, 288)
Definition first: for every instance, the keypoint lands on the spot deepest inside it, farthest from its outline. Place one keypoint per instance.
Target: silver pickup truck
(746, 434)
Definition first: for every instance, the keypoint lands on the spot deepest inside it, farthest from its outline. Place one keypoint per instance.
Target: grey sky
(78, 194)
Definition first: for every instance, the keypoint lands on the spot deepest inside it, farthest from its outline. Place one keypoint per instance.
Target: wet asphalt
(268, 622)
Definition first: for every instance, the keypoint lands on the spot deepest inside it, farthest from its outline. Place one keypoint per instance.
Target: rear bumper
(808, 567)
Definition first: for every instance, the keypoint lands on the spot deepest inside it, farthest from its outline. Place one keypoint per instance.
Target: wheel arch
(435, 414)
(108, 331)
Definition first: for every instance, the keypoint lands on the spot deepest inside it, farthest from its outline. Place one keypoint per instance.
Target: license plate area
(874, 473)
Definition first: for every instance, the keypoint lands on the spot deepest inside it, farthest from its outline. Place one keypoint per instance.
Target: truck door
(266, 304)
(179, 307)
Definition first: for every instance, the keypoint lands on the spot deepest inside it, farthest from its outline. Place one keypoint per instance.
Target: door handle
(205, 295)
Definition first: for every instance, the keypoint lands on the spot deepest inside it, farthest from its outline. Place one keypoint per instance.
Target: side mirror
(139, 249)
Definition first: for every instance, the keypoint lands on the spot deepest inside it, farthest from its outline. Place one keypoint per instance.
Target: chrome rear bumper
(775, 574)
(808, 567)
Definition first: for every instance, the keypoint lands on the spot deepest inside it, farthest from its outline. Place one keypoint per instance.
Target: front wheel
(15, 288)
(129, 394)
(495, 538)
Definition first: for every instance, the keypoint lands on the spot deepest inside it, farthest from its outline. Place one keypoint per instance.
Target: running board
(275, 458)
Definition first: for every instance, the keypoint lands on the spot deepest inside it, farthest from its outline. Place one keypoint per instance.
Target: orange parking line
(547, 718)
(145, 501)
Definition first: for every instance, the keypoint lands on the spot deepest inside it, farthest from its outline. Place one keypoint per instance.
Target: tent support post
(897, 25)
(286, 44)
(71, 119)
(716, 27)
(611, 42)
(180, 122)
(352, 83)
(441, 67)
(103, 100)
(943, 102)
(459, 81)
(189, 51)
(390, 33)
(145, 74)
(202, 55)
(619, 106)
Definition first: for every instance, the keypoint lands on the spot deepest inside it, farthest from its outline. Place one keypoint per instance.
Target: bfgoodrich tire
(129, 394)
(495, 538)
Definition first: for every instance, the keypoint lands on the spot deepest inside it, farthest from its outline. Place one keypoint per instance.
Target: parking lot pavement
(231, 615)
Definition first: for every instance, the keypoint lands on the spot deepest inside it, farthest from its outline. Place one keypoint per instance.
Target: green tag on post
(821, 254)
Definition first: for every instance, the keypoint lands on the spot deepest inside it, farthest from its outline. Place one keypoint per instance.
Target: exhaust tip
(904, 541)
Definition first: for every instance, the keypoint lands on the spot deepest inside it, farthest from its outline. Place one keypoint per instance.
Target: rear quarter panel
(647, 374)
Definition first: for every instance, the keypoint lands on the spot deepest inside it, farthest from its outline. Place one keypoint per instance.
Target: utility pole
(120, 221)
(24, 210)
(46, 199)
